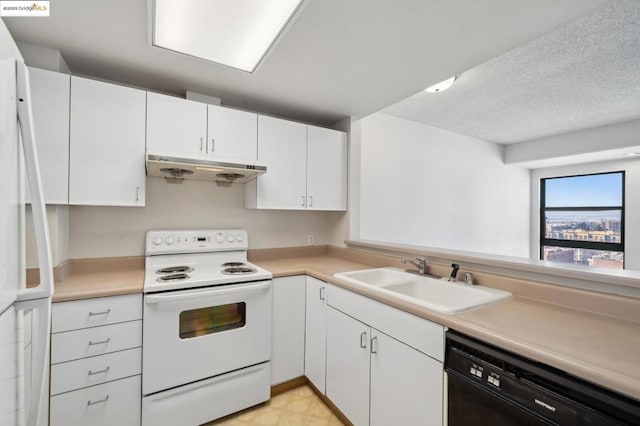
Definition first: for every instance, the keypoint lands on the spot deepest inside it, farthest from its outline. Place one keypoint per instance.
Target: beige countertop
(99, 284)
(88, 278)
(598, 347)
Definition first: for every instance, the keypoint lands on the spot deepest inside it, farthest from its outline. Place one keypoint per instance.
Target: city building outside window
(582, 220)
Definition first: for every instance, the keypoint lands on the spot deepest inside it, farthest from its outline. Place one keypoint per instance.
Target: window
(582, 220)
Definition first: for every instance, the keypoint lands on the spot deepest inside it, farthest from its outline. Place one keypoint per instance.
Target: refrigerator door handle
(40, 341)
(39, 297)
(41, 230)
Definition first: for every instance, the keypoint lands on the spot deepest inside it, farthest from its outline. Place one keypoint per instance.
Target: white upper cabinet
(175, 126)
(107, 144)
(282, 147)
(306, 167)
(326, 169)
(184, 128)
(232, 134)
(50, 102)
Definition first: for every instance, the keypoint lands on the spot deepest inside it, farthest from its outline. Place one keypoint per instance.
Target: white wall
(43, 57)
(632, 201)
(58, 223)
(579, 147)
(119, 231)
(430, 187)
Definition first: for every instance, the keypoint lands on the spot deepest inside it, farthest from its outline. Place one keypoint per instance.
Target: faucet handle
(468, 278)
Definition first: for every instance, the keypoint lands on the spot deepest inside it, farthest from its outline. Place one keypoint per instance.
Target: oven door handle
(168, 297)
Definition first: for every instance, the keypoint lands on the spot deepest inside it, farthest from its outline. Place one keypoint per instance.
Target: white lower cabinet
(348, 365)
(287, 347)
(112, 403)
(315, 348)
(96, 362)
(406, 385)
(382, 378)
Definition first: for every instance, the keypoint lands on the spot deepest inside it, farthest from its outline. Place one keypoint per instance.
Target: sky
(585, 191)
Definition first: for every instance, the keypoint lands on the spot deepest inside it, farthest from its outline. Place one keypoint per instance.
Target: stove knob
(168, 241)
(219, 238)
(240, 238)
(231, 238)
(157, 241)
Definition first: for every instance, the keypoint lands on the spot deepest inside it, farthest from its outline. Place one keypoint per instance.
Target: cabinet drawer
(68, 376)
(77, 344)
(93, 312)
(114, 403)
(419, 333)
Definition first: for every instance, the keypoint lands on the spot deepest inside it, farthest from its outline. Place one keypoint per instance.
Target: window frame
(580, 244)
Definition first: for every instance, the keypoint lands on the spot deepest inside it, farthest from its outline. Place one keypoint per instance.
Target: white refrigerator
(25, 314)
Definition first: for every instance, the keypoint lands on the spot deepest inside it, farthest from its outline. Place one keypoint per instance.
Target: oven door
(195, 334)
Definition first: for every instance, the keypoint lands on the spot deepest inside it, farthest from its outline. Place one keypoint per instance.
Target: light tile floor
(297, 407)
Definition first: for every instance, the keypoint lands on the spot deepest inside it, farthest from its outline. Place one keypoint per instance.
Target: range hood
(176, 169)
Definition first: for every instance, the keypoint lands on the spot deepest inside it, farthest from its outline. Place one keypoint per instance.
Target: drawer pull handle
(93, 373)
(321, 293)
(374, 345)
(93, 314)
(101, 342)
(90, 403)
(363, 340)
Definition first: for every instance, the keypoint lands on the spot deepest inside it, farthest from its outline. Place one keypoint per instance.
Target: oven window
(214, 319)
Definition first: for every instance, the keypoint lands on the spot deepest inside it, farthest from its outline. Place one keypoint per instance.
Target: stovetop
(178, 260)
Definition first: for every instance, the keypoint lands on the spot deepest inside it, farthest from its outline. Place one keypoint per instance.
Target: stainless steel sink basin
(437, 294)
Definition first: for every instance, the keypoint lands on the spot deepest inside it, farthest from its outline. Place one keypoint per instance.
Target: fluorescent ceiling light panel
(236, 33)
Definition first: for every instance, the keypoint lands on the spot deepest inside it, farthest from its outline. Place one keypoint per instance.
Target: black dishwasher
(492, 387)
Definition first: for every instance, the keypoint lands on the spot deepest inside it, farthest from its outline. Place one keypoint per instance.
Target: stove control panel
(195, 241)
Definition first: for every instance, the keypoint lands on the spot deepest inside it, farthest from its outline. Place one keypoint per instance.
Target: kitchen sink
(437, 294)
(377, 277)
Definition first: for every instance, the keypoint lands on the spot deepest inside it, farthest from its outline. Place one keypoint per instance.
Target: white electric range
(207, 327)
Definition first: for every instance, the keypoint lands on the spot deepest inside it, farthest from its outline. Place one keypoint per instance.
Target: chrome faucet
(418, 262)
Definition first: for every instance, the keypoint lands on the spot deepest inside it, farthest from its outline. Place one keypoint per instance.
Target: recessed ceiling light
(442, 86)
(236, 33)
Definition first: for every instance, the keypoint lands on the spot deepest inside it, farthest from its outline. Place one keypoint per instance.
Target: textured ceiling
(583, 75)
(339, 58)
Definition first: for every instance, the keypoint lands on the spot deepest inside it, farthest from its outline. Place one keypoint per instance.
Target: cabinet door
(326, 169)
(107, 143)
(315, 349)
(282, 148)
(406, 385)
(175, 126)
(50, 102)
(287, 349)
(232, 134)
(348, 366)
